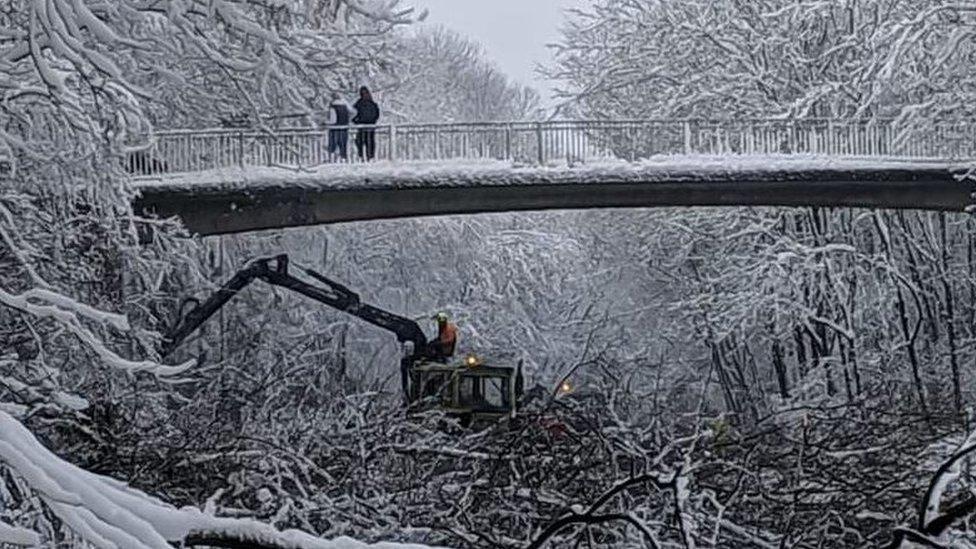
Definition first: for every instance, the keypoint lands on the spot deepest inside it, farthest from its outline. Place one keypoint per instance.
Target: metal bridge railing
(545, 142)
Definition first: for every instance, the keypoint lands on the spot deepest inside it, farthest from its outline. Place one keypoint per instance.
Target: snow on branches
(83, 83)
(107, 513)
(446, 77)
(706, 58)
(119, 67)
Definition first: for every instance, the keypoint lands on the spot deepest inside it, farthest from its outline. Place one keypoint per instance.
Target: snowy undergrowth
(108, 513)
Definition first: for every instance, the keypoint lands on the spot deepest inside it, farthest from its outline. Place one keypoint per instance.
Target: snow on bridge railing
(544, 142)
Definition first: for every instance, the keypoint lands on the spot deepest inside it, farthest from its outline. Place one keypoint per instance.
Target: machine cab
(474, 390)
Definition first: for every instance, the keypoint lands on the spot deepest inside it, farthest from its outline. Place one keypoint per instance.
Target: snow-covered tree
(769, 58)
(445, 77)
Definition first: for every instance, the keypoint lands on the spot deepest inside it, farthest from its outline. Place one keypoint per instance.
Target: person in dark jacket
(340, 116)
(367, 114)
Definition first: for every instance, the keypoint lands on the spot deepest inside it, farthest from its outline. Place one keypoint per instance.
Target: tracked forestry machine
(474, 389)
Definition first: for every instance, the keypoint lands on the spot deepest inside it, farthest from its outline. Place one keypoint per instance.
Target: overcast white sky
(515, 32)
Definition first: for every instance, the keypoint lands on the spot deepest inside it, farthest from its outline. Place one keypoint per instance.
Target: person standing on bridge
(367, 114)
(340, 115)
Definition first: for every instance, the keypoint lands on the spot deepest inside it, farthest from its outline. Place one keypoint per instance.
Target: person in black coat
(367, 114)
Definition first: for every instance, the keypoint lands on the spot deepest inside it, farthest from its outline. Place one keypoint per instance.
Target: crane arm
(188, 323)
(404, 328)
(332, 294)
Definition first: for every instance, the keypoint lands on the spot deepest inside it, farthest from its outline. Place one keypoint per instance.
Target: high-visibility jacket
(447, 337)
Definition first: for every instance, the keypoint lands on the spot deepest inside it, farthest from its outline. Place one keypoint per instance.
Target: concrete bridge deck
(235, 200)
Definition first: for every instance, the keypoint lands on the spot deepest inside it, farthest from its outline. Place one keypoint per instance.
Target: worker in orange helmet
(443, 347)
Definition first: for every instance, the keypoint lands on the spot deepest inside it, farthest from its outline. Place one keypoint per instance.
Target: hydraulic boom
(274, 271)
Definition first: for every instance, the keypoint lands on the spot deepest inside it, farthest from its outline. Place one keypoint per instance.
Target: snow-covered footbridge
(228, 180)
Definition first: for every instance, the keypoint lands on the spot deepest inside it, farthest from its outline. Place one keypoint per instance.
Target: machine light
(471, 361)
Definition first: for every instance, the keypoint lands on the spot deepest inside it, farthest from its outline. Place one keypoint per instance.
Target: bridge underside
(228, 202)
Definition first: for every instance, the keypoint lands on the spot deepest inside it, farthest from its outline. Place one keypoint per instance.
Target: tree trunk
(950, 316)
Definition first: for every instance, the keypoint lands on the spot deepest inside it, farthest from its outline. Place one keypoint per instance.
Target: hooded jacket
(367, 112)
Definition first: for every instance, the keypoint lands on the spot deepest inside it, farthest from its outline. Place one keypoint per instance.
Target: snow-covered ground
(491, 172)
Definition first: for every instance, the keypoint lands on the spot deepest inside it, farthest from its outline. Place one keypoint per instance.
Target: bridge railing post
(686, 128)
(632, 139)
(240, 149)
(539, 143)
(508, 141)
(830, 137)
(393, 142)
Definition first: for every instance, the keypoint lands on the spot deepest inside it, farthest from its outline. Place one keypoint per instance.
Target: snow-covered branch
(107, 513)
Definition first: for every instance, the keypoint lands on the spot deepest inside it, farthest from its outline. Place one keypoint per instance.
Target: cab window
(496, 392)
(469, 391)
(483, 392)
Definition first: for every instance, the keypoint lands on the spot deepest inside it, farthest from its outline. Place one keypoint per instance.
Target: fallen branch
(932, 524)
(567, 520)
(590, 517)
